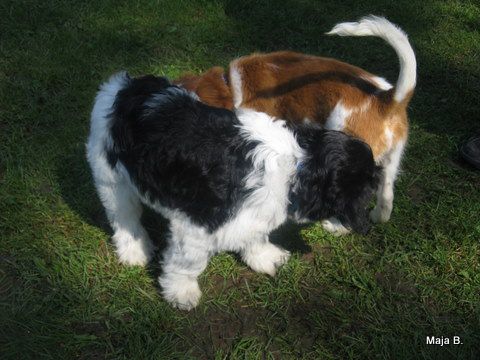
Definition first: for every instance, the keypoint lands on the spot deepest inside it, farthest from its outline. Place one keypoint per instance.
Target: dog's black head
(336, 179)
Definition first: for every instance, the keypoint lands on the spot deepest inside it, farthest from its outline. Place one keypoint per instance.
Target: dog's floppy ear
(337, 179)
(307, 197)
(357, 181)
(355, 216)
(312, 196)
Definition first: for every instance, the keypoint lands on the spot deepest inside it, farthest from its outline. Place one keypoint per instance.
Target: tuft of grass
(62, 292)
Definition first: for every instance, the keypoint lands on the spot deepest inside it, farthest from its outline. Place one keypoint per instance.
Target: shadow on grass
(78, 191)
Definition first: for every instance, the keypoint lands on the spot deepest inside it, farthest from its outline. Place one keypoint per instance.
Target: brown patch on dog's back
(297, 87)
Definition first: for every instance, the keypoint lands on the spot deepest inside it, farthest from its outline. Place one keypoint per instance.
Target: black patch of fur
(180, 152)
(338, 178)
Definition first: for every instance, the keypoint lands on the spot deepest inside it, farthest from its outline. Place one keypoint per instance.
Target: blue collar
(300, 166)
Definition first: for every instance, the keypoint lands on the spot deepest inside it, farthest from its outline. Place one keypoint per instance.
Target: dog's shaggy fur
(224, 181)
(308, 89)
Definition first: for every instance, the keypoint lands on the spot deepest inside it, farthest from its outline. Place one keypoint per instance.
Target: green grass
(63, 294)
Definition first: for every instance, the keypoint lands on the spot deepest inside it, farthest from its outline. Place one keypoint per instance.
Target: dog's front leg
(263, 256)
(334, 226)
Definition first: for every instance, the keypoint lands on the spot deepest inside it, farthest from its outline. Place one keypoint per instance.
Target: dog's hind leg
(184, 260)
(123, 208)
(391, 163)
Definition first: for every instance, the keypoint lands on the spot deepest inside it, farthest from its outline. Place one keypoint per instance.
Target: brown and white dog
(335, 95)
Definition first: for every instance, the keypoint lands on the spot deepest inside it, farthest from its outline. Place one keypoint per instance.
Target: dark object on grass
(470, 151)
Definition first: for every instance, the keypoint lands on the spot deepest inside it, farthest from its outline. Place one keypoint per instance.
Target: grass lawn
(62, 293)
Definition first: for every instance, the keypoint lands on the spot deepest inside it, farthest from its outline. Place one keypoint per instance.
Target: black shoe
(470, 151)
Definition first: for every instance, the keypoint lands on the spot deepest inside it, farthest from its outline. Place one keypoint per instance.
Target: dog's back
(179, 152)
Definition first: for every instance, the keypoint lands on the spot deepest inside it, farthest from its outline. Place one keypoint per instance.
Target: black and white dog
(224, 180)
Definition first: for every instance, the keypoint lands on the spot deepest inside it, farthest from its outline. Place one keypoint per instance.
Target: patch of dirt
(217, 329)
(9, 278)
(416, 193)
(95, 328)
(92, 354)
(219, 284)
(45, 188)
(308, 257)
(324, 250)
(300, 323)
(395, 282)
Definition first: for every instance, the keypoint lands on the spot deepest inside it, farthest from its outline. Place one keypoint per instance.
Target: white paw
(334, 226)
(133, 251)
(265, 258)
(182, 291)
(380, 214)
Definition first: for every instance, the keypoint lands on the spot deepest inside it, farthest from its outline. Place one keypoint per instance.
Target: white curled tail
(381, 27)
